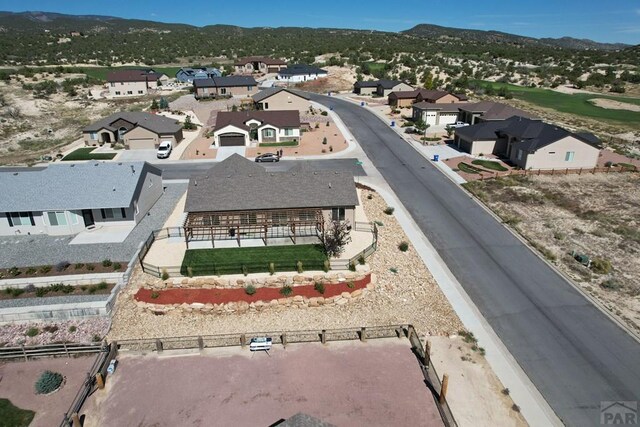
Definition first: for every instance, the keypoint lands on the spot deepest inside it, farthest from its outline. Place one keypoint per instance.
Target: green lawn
(488, 164)
(85, 153)
(256, 260)
(100, 73)
(12, 416)
(577, 104)
(279, 144)
(466, 167)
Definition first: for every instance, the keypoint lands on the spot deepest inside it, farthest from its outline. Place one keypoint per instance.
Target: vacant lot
(347, 384)
(594, 215)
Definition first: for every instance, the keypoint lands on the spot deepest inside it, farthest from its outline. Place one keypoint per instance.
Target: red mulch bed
(223, 296)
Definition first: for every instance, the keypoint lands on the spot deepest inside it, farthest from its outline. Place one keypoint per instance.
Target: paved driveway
(138, 155)
(25, 251)
(574, 354)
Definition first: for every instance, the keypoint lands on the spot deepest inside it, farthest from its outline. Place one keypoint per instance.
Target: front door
(87, 216)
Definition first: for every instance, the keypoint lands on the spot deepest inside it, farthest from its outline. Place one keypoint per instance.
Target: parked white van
(164, 149)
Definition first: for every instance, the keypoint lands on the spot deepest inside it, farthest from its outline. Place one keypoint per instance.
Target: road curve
(574, 354)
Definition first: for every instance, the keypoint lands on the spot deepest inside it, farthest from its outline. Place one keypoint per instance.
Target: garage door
(232, 140)
(142, 144)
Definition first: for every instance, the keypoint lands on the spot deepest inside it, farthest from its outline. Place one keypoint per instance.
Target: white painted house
(299, 73)
(240, 128)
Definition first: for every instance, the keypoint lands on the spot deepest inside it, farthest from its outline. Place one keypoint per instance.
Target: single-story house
(136, 130)
(239, 128)
(485, 111)
(279, 98)
(224, 86)
(365, 87)
(300, 73)
(134, 82)
(530, 144)
(383, 87)
(239, 200)
(262, 64)
(403, 99)
(436, 114)
(66, 198)
(188, 75)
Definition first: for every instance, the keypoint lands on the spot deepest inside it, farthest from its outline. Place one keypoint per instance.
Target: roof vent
(15, 174)
(96, 164)
(133, 170)
(72, 165)
(120, 164)
(114, 189)
(195, 182)
(250, 175)
(329, 185)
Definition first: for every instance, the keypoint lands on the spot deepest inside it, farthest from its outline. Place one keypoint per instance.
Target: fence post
(200, 343)
(566, 172)
(427, 353)
(552, 171)
(243, 340)
(443, 390)
(323, 336)
(99, 380)
(24, 353)
(159, 346)
(75, 420)
(363, 334)
(284, 339)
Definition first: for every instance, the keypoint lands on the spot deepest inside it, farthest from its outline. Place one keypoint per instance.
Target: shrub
(32, 332)
(515, 407)
(48, 382)
(102, 285)
(31, 271)
(40, 292)
(117, 266)
(67, 289)
(352, 266)
(83, 288)
(164, 275)
(506, 391)
(319, 287)
(608, 164)
(361, 260)
(317, 125)
(14, 271)
(601, 266)
(351, 285)
(155, 295)
(72, 329)
(62, 265)
(393, 270)
(324, 141)
(96, 338)
(30, 288)
(326, 265)
(299, 267)
(328, 124)
(389, 210)
(272, 268)
(190, 271)
(403, 246)
(250, 289)
(50, 328)
(286, 290)
(324, 113)
(92, 289)
(379, 223)
(91, 267)
(611, 284)
(107, 263)
(369, 196)
(245, 270)
(78, 266)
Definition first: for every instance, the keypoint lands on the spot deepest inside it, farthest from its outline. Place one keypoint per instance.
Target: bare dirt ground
(340, 79)
(596, 215)
(614, 105)
(347, 384)
(17, 380)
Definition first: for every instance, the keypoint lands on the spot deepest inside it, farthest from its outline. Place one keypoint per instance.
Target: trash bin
(362, 103)
(393, 123)
(329, 93)
(436, 157)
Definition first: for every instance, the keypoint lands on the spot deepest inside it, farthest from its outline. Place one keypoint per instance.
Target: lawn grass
(279, 144)
(100, 73)
(488, 164)
(467, 168)
(86, 153)
(577, 103)
(12, 416)
(255, 259)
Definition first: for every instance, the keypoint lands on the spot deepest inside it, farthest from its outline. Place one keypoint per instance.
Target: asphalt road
(574, 354)
(185, 170)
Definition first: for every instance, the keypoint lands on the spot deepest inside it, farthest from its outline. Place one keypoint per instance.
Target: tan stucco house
(66, 198)
(381, 87)
(135, 130)
(228, 86)
(259, 64)
(240, 128)
(436, 114)
(530, 144)
(280, 99)
(240, 200)
(404, 99)
(134, 82)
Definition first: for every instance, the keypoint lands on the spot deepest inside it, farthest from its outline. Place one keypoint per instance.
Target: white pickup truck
(457, 125)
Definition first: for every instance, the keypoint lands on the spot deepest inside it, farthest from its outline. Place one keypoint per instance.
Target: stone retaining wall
(297, 301)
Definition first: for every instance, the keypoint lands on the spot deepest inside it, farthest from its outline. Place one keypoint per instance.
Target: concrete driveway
(575, 355)
(137, 155)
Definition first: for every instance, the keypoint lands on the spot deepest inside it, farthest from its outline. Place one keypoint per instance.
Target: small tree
(188, 124)
(154, 105)
(335, 238)
(449, 130)
(164, 104)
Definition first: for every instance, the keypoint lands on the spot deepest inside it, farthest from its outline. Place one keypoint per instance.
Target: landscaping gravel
(25, 251)
(65, 299)
(77, 331)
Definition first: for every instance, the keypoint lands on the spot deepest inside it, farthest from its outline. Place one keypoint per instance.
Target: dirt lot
(346, 384)
(614, 105)
(17, 381)
(595, 215)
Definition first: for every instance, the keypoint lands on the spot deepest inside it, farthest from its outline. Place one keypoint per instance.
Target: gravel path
(24, 251)
(65, 299)
(408, 296)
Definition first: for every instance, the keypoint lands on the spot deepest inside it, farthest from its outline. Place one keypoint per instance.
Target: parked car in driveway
(164, 149)
(268, 157)
(457, 125)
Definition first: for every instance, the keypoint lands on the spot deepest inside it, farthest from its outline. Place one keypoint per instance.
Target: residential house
(300, 73)
(188, 75)
(436, 114)
(530, 144)
(66, 198)
(224, 86)
(368, 87)
(259, 64)
(239, 128)
(485, 111)
(135, 130)
(403, 99)
(134, 82)
(281, 99)
(383, 87)
(240, 200)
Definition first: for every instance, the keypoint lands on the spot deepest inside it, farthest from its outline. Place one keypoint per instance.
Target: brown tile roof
(445, 107)
(495, 110)
(277, 118)
(132, 76)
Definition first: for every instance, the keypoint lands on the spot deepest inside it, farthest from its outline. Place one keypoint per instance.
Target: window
(307, 216)
(519, 157)
(140, 92)
(269, 133)
(117, 92)
(74, 218)
(205, 90)
(288, 132)
(121, 132)
(113, 85)
(569, 156)
(20, 218)
(123, 212)
(248, 219)
(223, 91)
(106, 213)
(129, 92)
(57, 218)
(249, 88)
(93, 136)
(279, 218)
(552, 152)
(337, 214)
(265, 105)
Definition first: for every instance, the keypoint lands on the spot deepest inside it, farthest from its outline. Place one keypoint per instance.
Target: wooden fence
(48, 350)
(532, 172)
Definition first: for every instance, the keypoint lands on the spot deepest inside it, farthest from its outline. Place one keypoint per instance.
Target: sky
(600, 20)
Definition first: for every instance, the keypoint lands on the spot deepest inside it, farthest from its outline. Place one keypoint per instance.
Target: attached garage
(142, 144)
(232, 140)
